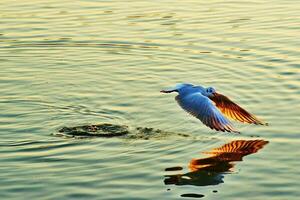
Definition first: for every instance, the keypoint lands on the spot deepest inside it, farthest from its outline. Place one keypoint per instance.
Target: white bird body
(207, 105)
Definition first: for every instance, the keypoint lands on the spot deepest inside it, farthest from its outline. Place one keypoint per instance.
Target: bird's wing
(202, 108)
(234, 111)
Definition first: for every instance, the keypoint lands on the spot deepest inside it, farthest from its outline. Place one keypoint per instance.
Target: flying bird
(210, 107)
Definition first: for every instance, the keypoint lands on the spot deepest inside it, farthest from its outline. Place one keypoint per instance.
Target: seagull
(210, 107)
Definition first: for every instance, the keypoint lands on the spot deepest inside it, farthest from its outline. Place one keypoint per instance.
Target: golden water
(69, 63)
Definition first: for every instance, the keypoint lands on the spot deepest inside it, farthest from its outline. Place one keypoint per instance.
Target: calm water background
(66, 63)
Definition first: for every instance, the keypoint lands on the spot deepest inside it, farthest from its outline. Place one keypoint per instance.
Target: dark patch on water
(98, 130)
(148, 130)
(254, 136)
(114, 130)
(147, 133)
(193, 195)
(288, 73)
(183, 135)
(174, 168)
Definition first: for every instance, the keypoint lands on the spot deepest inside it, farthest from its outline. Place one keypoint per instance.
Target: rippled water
(69, 63)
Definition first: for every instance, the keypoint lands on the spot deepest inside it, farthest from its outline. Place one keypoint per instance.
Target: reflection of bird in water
(210, 170)
(209, 106)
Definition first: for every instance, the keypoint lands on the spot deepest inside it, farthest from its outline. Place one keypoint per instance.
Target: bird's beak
(168, 90)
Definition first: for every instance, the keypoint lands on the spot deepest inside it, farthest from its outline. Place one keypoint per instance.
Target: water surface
(71, 63)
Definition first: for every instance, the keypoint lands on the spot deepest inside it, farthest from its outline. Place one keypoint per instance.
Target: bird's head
(210, 91)
(178, 87)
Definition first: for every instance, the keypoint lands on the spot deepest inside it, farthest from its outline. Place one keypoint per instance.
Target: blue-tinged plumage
(201, 107)
(199, 102)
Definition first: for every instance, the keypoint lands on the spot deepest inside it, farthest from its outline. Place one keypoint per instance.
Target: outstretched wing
(202, 108)
(234, 111)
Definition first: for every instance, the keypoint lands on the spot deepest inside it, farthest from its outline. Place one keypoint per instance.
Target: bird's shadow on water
(211, 170)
